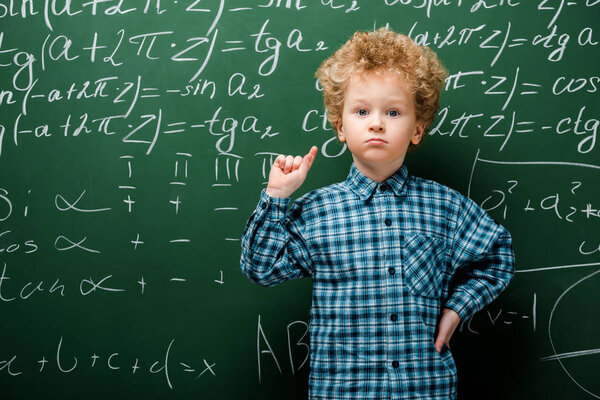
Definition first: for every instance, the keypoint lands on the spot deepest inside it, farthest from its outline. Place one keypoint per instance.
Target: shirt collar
(364, 186)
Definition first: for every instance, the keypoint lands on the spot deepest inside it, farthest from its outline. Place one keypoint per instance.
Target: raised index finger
(308, 159)
(312, 153)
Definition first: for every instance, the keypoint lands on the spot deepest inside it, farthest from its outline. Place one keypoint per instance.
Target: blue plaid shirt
(385, 258)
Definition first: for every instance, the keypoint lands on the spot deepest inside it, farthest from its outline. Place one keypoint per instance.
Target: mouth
(376, 141)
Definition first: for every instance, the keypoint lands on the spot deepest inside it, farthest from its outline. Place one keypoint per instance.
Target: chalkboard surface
(135, 137)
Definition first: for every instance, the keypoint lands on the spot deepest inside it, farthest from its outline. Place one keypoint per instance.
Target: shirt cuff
(462, 304)
(272, 207)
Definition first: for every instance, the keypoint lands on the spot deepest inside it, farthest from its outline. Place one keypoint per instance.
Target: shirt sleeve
(273, 246)
(482, 257)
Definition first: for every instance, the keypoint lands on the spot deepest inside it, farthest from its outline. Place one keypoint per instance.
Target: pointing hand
(288, 173)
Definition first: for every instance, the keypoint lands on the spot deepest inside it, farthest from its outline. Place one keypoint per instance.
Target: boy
(396, 261)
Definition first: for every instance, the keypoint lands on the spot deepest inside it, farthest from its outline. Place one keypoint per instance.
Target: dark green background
(499, 357)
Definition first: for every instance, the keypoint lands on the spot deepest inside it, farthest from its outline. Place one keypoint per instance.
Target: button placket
(386, 202)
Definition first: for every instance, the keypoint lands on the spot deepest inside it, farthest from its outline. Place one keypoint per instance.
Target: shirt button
(263, 205)
(383, 187)
(388, 221)
(395, 364)
(394, 317)
(392, 270)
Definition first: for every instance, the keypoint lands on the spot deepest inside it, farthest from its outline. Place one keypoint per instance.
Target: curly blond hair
(383, 50)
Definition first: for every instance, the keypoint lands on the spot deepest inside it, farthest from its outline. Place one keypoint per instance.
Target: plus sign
(136, 242)
(135, 367)
(43, 361)
(177, 203)
(129, 202)
(94, 358)
(142, 284)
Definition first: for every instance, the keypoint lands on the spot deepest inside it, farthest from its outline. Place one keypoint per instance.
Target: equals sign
(233, 42)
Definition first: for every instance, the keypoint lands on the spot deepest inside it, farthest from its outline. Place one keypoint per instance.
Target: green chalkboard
(135, 138)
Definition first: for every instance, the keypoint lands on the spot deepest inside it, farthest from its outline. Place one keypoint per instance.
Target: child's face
(378, 121)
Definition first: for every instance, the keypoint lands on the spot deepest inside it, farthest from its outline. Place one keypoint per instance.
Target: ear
(419, 131)
(340, 131)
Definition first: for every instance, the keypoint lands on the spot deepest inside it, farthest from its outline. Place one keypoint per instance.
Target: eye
(393, 113)
(362, 112)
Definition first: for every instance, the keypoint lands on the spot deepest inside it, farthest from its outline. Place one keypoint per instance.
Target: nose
(376, 123)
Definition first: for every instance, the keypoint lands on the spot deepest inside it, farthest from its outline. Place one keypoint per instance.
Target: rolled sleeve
(273, 245)
(483, 260)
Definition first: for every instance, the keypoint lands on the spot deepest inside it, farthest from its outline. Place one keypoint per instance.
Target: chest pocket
(423, 264)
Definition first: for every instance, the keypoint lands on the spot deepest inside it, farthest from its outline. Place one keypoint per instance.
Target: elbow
(509, 259)
(510, 270)
(255, 275)
(502, 259)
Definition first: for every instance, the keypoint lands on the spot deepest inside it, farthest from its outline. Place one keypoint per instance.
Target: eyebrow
(391, 100)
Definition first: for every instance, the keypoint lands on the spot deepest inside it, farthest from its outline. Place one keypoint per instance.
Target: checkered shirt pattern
(385, 258)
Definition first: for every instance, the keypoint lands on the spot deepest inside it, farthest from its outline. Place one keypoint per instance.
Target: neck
(380, 172)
